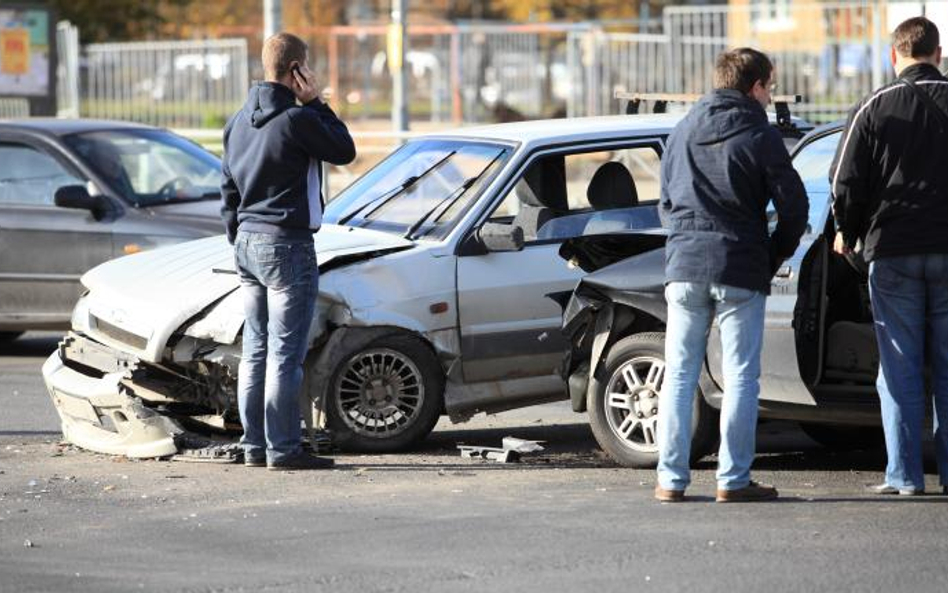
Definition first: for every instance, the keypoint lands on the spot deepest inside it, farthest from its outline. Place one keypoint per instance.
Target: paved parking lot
(565, 519)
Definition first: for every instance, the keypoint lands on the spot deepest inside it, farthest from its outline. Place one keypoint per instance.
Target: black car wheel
(623, 408)
(385, 396)
(838, 437)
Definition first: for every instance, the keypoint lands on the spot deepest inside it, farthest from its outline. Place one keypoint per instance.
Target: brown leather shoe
(668, 495)
(753, 492)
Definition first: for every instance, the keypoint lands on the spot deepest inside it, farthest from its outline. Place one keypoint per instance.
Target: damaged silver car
(434, 271)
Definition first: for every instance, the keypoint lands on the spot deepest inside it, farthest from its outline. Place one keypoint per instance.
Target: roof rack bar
(781, 103)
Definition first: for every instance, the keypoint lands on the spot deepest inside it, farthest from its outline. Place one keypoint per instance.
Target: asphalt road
(565, 519)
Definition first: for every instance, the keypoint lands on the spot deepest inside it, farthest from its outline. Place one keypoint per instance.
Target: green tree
(115, 20)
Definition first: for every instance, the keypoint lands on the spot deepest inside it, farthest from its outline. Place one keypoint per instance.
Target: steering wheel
(168, 190)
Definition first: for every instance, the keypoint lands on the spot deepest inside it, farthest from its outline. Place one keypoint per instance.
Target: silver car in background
(76, 193)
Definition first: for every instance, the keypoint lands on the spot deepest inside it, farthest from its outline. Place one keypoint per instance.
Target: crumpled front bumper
(98, 415)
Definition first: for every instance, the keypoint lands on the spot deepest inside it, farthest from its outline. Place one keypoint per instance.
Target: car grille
(120, 335)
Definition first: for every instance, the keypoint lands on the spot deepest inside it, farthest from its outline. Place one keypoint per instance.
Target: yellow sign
(396, 37)
(14, 51)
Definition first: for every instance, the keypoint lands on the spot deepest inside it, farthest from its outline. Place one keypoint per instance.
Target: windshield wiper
(397, 190)
(452, 198)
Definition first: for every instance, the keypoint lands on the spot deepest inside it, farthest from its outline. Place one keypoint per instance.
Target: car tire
(9, 336)
(841, 437)
(613, 407)
(385, 396)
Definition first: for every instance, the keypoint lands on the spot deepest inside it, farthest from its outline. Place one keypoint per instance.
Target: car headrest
(546, 178)
(612, 187)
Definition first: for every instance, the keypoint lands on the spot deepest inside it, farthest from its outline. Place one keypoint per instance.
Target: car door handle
(784, 272)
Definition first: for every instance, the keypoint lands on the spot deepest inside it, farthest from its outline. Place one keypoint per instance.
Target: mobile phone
(295, 68)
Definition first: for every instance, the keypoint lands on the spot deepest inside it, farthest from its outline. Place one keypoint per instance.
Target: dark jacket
(724, 163)
(890, 175)
(273, 153)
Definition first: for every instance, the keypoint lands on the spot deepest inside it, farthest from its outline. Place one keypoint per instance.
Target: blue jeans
(910, 307)
(279, 281)
(740, 316)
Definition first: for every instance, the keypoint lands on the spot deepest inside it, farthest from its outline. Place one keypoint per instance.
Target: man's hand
(839, 245)
(304, 84)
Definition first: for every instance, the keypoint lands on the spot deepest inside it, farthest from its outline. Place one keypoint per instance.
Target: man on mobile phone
(274, 148)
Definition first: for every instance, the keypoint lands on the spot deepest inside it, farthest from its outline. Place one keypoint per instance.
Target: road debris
(28, 544)
(208, 451)
(510, 452)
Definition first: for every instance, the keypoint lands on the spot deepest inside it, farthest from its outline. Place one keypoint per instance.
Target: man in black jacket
(723, 165)
(272, 205)
(890, 188)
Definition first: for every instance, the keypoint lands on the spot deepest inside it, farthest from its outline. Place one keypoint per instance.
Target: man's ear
(938, 56)
(892, 56)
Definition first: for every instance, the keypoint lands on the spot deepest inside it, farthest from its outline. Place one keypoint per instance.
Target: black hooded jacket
(724, 163)
(273, 153)
(890, 175)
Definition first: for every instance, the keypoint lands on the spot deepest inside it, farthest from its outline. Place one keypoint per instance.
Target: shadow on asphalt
(30, 433)
(31, 345)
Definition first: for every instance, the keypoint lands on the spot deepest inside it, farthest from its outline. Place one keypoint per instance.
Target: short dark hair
(740, 68)
(280, 51)
(916, 37)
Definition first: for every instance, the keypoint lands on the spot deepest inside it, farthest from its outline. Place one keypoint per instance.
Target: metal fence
(173, 83)
(470, 72)
(67, 70)
(831, 53)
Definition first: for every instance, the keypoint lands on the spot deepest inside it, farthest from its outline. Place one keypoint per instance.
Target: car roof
(547, 131)
(61, 127)
(571, 129)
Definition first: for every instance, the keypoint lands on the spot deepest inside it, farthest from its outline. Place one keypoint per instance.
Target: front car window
(421, 190)
(150, 167)
(31, 177)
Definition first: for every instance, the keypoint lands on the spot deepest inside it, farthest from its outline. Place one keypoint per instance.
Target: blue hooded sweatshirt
(273, 153)
(723, 165)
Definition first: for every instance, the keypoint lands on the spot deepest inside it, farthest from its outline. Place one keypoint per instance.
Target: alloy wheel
(380, 392)
(631, 403)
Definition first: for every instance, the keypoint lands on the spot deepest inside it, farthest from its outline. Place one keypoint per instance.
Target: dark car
(75, 193)
(819, 358)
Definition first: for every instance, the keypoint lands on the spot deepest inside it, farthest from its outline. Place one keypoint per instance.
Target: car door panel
(509, 327)
(44, 249)
(781, 377)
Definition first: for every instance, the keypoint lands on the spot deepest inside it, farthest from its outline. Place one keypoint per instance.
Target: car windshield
(420, 190)
(150, 167)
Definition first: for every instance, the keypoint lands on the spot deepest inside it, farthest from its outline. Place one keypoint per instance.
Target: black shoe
(300, 461)
(251, 461)
(886, 489)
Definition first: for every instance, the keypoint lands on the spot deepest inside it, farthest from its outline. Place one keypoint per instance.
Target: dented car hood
(137, 302)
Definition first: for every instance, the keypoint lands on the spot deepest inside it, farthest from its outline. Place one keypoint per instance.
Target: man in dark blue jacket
(723, 165)
(272, 205)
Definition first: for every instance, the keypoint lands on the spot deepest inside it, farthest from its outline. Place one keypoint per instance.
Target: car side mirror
(77, 196)
(501, 237)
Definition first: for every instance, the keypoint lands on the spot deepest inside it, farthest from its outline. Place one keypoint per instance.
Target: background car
(434, 271)
(819, 359)
(75, 193)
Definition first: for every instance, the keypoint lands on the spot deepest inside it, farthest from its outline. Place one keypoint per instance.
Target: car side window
(577, 186)
(31, 177)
